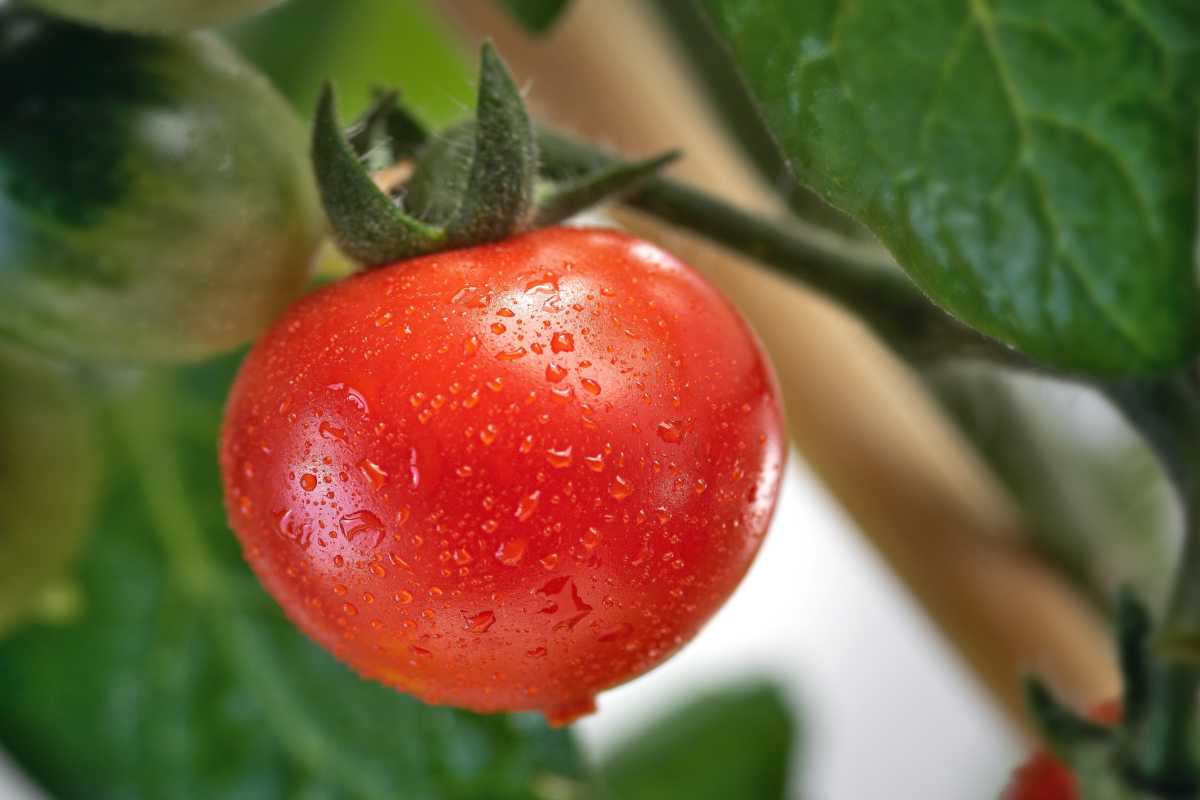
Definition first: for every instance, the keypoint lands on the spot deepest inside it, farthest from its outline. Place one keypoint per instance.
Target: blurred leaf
(1031, 165)
(182, 679)
(49, 472)
(536, 15)
(1096, 497)
(736, 742)
(361, 45)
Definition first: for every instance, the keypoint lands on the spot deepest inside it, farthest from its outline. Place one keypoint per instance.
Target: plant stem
(1162, 754)
(859, 275)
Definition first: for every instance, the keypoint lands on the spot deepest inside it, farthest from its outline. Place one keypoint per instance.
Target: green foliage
(180, 678)
(733, 742)
(1031, 165)
(48, 481)
(361, 44)
(538, 16)
(177, 227)
(151, 16)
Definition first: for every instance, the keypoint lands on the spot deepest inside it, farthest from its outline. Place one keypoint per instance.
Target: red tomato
(1044, 777)
(510, 476)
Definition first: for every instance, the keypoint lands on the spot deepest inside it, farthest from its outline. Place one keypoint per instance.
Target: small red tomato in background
(506, 477)
(1044, 777)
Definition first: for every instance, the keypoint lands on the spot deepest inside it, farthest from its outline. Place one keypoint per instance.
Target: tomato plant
(178, 228)
(146, 16)
(509, 476)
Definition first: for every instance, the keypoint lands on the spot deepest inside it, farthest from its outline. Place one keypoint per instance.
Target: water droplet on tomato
(615, 633)
(350, 609)
(511, 355)
(498, 328)
(562, 342)
(550, 561)
(560, 459)
(373, 472)
(671, 432)
(358, 522)
(328, 431)
(555, 372)
(308, 481)
(589, 385)
(511, 552)
(595, 463)
(470, 346)
(701, 486)
(488, 434)
(527, 505)
(620, 488)
(403, 597)
(481, 622)
(591, 538)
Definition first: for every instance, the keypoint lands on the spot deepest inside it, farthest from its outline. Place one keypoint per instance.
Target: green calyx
(474, 183)
(1153, 751)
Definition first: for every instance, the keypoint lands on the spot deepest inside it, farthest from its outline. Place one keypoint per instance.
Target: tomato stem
(860, 276)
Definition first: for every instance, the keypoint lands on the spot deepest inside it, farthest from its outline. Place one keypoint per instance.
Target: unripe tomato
(151, 16)
(155, 197)
(48, 479)
(510, 476)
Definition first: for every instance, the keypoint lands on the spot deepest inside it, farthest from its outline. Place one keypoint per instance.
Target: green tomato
(156, 202)
(151, 16)
(48, 479)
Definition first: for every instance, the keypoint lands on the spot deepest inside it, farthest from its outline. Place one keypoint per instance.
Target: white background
(887, 712)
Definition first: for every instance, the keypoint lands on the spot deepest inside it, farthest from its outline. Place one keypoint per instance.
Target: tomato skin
(151, 16)
(179, 226)
(506, 477)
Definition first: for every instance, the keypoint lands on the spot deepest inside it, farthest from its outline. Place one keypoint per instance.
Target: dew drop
(526, 443)
(505, 312)
(562, 342)
(328, 431)
(671, 432)
(511, 355)
(559, 459)
(495, 384)
(350, 609)
(701, 485)
(498, 328)
(595, 463)
(481, 622)
(527, 505)
(488, 434)
(537, 652)
(589, 385)
(403, 597)
(550, 561)
(358, 522)
(615, 633)
(470, 346)
(308, 481)
(511, 552)
(373, 472)
(591, 538)
(555, 372)
(620, 488)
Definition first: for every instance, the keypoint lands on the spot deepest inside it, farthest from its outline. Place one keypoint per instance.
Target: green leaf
(181, 678)
(1031, 165)
(733, 742)
(1096, 500)
(538, 16)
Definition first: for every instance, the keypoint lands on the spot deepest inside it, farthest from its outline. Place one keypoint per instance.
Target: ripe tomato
(510, 476)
